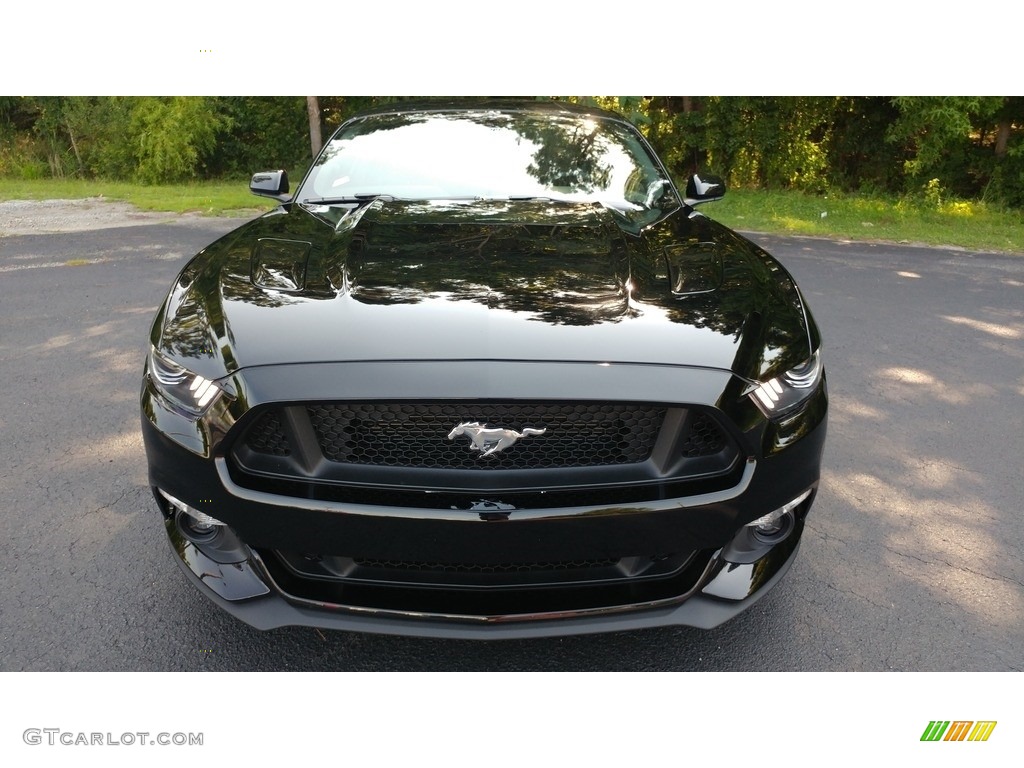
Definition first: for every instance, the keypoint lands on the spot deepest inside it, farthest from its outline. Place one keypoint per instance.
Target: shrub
(173, 136)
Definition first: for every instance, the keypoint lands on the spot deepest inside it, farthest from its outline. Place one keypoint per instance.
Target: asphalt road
(911, 560)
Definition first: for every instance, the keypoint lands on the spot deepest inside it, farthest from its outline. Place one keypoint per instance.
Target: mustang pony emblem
(490, 440)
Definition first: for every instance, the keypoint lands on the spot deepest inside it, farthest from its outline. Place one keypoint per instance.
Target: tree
(315, 140)
(173, 136)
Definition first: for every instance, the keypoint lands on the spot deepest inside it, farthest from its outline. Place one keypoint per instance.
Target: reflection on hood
(486, 279)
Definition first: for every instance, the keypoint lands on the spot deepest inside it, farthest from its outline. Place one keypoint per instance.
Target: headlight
(189, 392)
(785, 392)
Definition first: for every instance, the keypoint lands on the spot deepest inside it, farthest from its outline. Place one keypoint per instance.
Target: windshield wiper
(347, 199)
(551, 198)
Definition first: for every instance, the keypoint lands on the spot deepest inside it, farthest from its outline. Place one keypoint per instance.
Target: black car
(486, 374)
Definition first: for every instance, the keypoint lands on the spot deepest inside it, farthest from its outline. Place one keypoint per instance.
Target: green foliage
(933, 193)
(1006, 185)
(752, 141)
(21, 158)
(935, 126)
(772, 142)
(148, 139)
(98, 131)
(264, 133)
(173, 136)
(955, 139)
(972, 146)
(860, 159)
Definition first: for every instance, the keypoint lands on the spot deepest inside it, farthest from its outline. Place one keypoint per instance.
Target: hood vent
(280, 265)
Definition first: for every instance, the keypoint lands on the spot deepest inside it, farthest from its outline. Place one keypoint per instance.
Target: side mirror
(704, 188)
(272, 184)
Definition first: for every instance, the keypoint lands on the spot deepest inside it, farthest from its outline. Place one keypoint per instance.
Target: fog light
(777, 524)
(193, 523)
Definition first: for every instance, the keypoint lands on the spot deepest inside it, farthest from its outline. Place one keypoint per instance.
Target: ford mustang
(487, 373)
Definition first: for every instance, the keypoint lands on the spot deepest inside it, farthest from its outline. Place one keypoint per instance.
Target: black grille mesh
(266, 436)
(416, 434)
(704, 439)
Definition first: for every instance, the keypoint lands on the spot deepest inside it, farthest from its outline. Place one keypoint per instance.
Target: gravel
(37, 217)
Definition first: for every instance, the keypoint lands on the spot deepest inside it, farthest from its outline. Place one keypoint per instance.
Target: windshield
(489, 155)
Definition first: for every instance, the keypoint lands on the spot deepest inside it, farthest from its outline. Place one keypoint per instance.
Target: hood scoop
(279, 265)
(694, 268)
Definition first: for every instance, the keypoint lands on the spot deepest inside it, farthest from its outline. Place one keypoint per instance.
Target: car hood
(508, 280)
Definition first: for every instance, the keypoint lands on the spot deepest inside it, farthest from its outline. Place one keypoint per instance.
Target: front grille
(416, 434)
(399, 454)
(393, 586)
(481, 572)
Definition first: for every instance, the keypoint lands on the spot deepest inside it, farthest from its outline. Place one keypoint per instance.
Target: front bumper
(247, 591)
(251, 579)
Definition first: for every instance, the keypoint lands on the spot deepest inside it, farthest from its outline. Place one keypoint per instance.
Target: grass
(209, 198)
(970, 225)
(974, 226)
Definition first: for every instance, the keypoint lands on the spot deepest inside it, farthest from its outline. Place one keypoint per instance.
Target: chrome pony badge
(490, 440)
